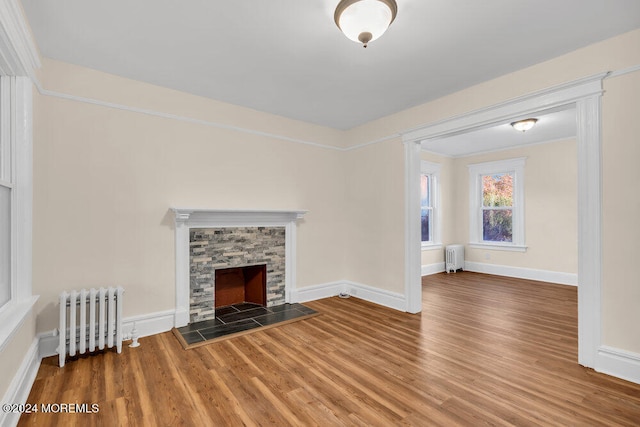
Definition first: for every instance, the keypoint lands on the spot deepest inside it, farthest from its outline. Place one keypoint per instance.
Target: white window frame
(514, 167)
(433, 170)
(16, 139)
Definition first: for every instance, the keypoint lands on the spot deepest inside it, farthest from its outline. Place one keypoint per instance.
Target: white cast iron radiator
(454, 257)
(88, 319)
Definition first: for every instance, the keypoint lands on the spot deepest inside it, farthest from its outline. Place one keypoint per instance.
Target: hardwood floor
(486, 350)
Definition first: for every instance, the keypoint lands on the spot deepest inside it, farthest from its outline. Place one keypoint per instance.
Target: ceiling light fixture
(524, 125)
(364, 21)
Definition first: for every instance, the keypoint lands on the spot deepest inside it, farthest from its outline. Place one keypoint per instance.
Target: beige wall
(375, 188)
(620, 208)
(105, 178)
(11, 357)
(551, 208)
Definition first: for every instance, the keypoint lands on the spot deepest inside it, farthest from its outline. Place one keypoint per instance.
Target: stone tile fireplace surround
(210, 239)
(221, 248)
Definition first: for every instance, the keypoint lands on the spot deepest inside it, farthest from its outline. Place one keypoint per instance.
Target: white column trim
(289, 259)
(182, 271)
(412, 253)
(589, 228)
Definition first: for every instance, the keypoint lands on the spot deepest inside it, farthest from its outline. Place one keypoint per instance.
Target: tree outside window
(497, 207)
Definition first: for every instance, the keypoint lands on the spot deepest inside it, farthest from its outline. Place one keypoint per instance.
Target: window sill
(11, 318)
(431, 246)
(499, 247)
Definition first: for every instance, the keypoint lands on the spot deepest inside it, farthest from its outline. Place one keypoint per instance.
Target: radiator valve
(134, 337)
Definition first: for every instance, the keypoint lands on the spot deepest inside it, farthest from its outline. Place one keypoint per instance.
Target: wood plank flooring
(486, 350)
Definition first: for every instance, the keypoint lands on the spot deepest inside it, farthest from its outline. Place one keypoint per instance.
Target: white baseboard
(378, 296)
(48, 343)
(523, 273)
(618, 363)
(18, 391)
(146, 324)
(312, 293)
(149, 324)
(429, 269)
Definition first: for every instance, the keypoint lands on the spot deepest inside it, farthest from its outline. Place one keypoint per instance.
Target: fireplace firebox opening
(241, 284)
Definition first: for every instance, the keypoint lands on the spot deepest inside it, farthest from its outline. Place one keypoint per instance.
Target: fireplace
(236, 285)
(211, 240)
(212, 251)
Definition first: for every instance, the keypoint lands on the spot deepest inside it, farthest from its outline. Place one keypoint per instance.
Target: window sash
(502, 175)
(429, 227)
(428, 207)
(432, 170)
(477, 208)
(496, 229)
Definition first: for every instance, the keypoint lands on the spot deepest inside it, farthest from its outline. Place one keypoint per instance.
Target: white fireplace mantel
(234, 217)
(185, 219)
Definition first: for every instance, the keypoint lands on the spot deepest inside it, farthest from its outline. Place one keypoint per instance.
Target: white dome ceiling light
(365, 20)
(524, 125)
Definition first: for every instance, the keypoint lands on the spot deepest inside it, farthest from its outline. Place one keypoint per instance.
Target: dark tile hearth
(241, 317)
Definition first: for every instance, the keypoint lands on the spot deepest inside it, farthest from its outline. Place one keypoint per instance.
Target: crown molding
(624, 71)
(18, 53)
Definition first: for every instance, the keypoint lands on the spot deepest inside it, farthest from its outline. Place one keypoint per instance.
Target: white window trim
(433, 169)
(16, 93)
(476, 171)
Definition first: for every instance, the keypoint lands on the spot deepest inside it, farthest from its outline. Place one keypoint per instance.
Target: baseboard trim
(149, 324)
(618, 363)
(378, 296)
(20, 387)
(315, 292)
(325, 290)
(429, 269)
(48, 343)
(146, 324)
(523, 273)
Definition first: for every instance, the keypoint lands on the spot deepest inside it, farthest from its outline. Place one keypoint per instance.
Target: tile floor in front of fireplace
(239, 318)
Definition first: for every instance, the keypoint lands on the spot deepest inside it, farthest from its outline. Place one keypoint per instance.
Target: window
(16, 299)
(496, 191)
(497, 207)
(426, 207)
(429, 205)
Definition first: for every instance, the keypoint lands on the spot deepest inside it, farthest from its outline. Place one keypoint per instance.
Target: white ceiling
(288, 57)
(551, 126)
